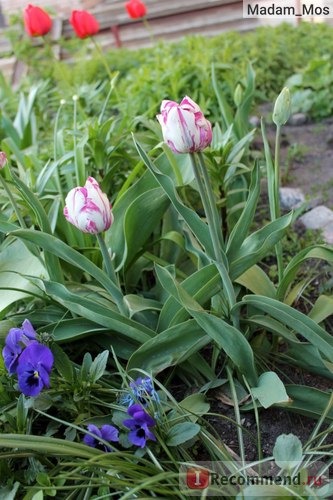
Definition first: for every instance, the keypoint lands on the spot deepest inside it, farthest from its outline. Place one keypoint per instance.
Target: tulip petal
(184, 127)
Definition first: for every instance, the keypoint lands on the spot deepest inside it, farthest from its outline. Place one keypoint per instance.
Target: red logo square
(197, 478)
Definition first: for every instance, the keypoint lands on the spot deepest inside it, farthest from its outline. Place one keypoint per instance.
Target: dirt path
(307, 158)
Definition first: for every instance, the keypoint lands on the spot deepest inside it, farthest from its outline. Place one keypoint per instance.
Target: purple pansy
(106, 432)
(34, 367)
(139, 426)
(16, 340)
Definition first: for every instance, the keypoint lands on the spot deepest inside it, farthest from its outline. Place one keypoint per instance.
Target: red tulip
(37, 22)
(84, 23)
(136, 9)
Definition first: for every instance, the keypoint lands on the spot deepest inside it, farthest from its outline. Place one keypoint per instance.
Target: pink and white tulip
(88, 208)
(184, 127)
(3, 159)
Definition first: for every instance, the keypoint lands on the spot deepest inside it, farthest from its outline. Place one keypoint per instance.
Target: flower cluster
(37, 21)
(141, 391)
(31, 361)
(139, 424)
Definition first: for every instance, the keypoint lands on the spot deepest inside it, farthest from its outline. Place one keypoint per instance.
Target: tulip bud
(282, 107)
(136, 9)
(84, 23)
(238, 94)
(3, 159)
(184, 127)
(88, 208)
(37, 22)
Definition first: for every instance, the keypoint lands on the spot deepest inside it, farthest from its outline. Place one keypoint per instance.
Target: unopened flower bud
(238, 94)
(3, 159)
(282, 108)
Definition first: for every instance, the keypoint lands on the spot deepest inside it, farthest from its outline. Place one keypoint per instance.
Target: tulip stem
(207, 208)
(13, 202)
(173, 163)
(209, 205)
(102, 58)
(277, 210)
(211, 199)
(106, 102)
(117, 295)
(149, 29)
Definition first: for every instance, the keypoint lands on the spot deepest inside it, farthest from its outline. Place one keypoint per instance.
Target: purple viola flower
(106, 432)
(16, 340)
(34, 367)
(139, 426)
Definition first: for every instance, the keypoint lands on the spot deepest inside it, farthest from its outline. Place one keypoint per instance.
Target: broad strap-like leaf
(170, 347)
(201, 285)
(198, 227)
(57, 247)
(241, 228)
(226, 336)
(98, 313)
(257, 245)
(295, 320)
(323, 252)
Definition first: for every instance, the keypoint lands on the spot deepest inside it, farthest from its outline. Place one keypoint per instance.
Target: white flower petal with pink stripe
(184, 127)
(88, 208)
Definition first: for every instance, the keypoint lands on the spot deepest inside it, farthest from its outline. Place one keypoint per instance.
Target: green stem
(209, 205)
(55, 152)
(270, 172)
(277, 171)
(13, 202)
(112, 87)
(173, 163)
(129, 180)
(256, 415)
(149, 29)
(207, 209)
(211, 199)
(278, 246)
(238, 418)
(102, 58)
(117, 293)
(56, 63)
(79, 178)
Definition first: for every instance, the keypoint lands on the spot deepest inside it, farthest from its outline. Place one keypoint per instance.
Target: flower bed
(137, 288)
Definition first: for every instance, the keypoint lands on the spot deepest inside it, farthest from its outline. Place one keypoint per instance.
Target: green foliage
(179, 290)
(312, 88)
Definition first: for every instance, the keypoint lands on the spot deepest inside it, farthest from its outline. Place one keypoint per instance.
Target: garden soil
(307, 158)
